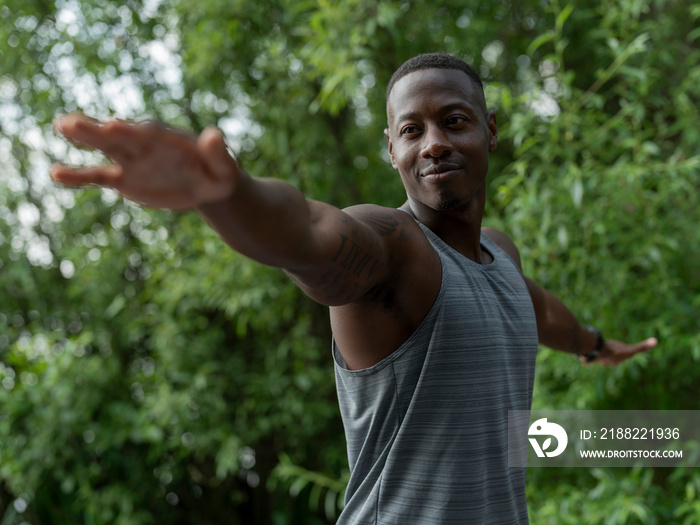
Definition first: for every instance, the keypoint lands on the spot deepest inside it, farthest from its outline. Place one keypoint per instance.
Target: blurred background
(150, 375)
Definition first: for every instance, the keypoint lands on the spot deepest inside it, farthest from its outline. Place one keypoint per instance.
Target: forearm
(268, 220)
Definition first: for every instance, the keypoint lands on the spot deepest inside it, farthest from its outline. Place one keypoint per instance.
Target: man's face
(440, 136)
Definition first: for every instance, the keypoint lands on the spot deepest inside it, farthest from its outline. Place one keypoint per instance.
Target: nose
(436, 143)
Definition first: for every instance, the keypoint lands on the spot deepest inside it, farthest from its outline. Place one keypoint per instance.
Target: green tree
(151, 375)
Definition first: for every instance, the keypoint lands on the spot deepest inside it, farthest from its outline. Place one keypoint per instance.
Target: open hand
(615, 352)
(152, 164)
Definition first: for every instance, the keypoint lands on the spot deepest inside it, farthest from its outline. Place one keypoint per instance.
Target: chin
(449, 204)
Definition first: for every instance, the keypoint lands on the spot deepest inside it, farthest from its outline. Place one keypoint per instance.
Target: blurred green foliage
(150, 375)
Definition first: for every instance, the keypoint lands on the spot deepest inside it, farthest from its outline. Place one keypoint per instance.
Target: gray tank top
(427, 427)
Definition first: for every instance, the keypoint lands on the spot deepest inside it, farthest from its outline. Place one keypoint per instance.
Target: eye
(455, 120)
(410, 129)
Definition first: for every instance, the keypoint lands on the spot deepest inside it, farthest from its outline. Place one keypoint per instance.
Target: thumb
(216, 155)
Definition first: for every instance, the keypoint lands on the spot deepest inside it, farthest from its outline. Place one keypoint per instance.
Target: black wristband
(593, 355)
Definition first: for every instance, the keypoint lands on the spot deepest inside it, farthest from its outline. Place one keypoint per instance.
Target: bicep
(556, 326)
(350, 252)
(538, 295)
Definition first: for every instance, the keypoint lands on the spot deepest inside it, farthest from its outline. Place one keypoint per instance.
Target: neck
(460, 228)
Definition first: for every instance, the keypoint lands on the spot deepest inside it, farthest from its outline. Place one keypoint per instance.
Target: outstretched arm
(559, 329)
(267, 220)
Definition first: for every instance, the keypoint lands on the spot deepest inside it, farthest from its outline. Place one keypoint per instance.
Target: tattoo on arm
(357, 254)
(354, 259)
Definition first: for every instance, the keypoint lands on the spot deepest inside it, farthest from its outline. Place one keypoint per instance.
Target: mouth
(439, 172)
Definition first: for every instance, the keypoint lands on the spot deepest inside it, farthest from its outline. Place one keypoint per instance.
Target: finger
(62, 121)
(77, 128)
(646, 345)
(651, 342)
(117, 139)
(107, 176)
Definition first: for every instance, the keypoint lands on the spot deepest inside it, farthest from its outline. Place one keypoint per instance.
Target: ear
(390, 147)
(493, 130)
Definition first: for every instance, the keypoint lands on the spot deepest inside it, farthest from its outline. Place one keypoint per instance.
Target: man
(435, 328)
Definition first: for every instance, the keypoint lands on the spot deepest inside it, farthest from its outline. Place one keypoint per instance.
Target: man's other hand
(615, 352)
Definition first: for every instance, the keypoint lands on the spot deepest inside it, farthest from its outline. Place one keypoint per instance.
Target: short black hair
(433, 61)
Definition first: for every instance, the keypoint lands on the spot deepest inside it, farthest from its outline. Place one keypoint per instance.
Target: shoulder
(504, 243)
(396, 229)
(385, 221)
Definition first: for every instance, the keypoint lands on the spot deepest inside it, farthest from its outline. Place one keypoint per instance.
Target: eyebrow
(407, 116)
(464, 106)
